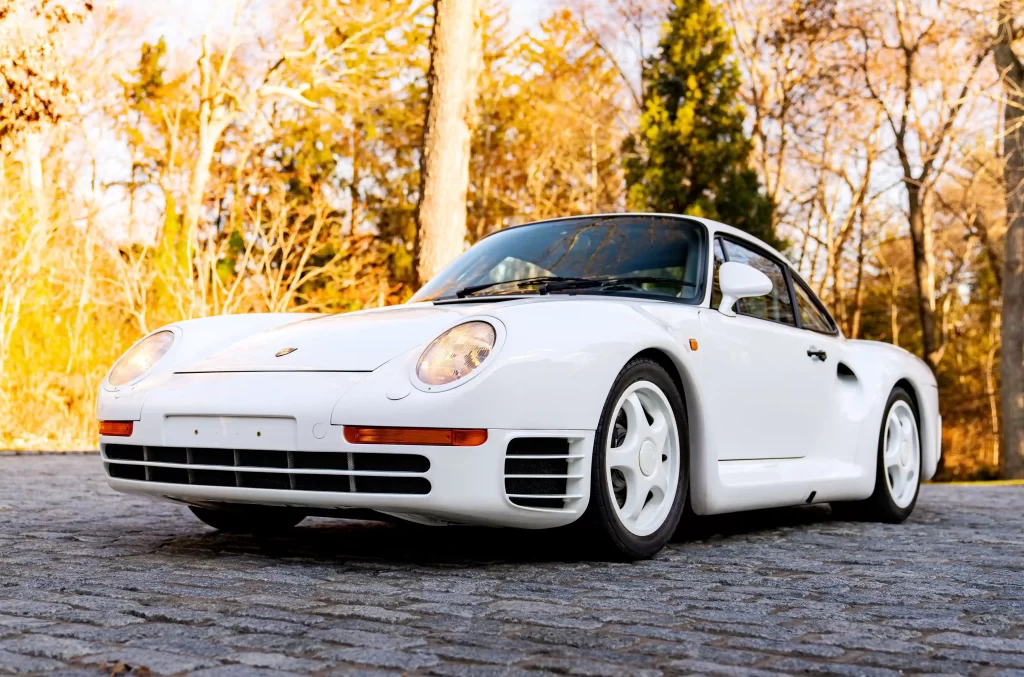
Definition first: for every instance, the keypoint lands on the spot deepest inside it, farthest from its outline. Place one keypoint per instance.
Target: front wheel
(898, 470)
(250, 519)
(639, 475)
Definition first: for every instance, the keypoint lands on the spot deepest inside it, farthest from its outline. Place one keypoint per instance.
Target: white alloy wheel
(901, 457)
(642, 458)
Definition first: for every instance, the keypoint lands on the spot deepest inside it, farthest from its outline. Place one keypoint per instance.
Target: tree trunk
(1012, 330)
(34, 165)
(923, 277)
(209, 133)
(858, 294)
(992, 395)
(451, 86)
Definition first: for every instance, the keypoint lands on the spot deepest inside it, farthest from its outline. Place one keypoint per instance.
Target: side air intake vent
(541, 472)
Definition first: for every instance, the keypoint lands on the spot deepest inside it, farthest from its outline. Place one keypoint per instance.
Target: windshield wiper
(544, 279)
(554, 283)
(610, 283)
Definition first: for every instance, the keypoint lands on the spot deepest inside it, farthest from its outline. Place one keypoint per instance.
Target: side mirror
(739, 281)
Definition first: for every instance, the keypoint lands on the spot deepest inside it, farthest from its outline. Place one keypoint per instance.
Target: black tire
(880, 507)
(614, 539)
(250, 519)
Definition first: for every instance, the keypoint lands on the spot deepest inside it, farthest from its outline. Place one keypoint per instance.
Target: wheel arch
(881, 368)
(929, 422)
(911, 390)
(689, 391)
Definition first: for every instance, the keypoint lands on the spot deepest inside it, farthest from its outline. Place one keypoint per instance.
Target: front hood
(360, 341)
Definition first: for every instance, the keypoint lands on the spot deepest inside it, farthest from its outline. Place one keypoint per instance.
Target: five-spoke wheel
(642, 458)
(639, 472)
(901, 455)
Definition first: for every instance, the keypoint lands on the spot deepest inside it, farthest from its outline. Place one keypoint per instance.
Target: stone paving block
(242, 671)
(277, 661)
(808, 667)
(786, 648)
(589, 668)
(19, 663)
(456, 670)
(690, 666)
(179, 645)
(46, 646)
(371, 613)
(160, 662)
(478, 654)
(986, 643)
(982, 657)
(380, 657)
(20, 623)
(377, 640)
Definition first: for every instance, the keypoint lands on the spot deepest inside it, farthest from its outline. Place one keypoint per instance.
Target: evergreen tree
(690, 153)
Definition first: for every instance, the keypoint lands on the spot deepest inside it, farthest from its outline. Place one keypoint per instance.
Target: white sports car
(608, 369)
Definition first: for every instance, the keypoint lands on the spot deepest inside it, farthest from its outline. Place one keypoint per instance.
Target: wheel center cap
(648, 458)
(905, 454)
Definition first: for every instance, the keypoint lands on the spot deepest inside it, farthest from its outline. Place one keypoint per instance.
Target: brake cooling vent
(543, 473)
(344, 472)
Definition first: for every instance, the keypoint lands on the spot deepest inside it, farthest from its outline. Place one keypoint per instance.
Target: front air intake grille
(541, 472)
(344, 472)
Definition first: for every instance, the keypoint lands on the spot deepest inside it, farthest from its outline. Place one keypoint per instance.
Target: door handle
(813, 352)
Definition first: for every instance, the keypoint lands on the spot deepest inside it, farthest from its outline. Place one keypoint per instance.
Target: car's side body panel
(838, 460)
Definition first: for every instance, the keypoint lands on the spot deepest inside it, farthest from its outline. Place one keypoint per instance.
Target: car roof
(712, 226)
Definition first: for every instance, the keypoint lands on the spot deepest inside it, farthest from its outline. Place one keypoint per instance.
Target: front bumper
(517, 478)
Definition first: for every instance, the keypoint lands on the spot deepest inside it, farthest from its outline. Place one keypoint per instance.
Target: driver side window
(812, 316)
(776, 306)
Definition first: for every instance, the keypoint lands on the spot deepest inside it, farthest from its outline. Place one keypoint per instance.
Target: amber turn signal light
(442, 437)
(116, 428)
(693, 344)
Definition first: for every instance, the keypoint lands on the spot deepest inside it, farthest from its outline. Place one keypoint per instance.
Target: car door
(767, 397)
(839, 437)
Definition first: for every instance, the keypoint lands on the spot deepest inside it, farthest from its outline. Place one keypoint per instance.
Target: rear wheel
(898, 470)
(250, 519)
(639, 475)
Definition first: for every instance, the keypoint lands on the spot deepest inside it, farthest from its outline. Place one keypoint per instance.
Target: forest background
(274, 158)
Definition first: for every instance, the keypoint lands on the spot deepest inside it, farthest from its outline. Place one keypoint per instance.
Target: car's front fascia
(538, 397)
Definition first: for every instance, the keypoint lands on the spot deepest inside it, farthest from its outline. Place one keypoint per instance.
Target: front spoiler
(467, 484)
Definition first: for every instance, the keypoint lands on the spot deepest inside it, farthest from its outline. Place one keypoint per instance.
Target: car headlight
(141, 358)
(455, 353)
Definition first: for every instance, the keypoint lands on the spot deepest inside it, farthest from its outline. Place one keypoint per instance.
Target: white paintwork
(767, 425)
(739, 281)
(642, 459)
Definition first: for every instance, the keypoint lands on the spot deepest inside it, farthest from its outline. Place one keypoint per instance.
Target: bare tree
(899, 47)
(1011, 71)
(451, 87)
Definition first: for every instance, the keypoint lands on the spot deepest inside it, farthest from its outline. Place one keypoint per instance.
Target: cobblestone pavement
(90, 579)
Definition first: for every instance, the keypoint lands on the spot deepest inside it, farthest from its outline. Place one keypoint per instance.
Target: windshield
(646, 255)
